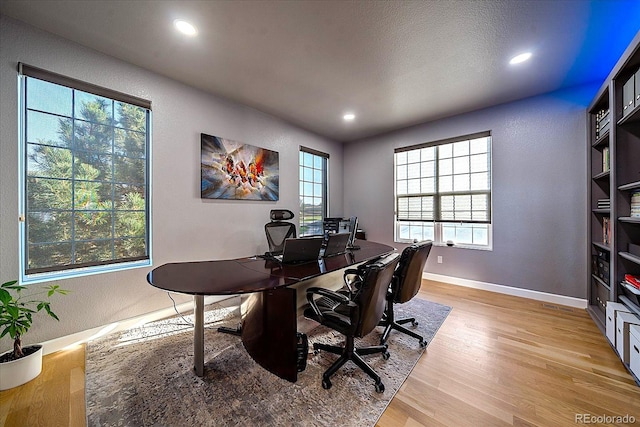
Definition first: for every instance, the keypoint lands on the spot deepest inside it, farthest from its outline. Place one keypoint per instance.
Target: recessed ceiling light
(185, 28)
(520, 58)
(349, 117)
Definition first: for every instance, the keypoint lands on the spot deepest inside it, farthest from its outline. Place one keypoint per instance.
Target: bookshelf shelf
(630, 257)
(630, 304)
(600, 281)
(601, 211)
(601, 246)
(603, 141)
(631, 119)
(602, 175)
(630, 219)
(630, 186)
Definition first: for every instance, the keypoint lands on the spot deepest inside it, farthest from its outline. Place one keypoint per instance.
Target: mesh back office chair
(279, 229)
(355, 317)
(405, 284)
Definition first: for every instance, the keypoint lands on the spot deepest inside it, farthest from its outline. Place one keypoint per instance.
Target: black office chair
(279, 229)
(355, 317)
(405, 284)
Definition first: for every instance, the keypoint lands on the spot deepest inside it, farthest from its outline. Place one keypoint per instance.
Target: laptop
(302, 249)
(336, 244)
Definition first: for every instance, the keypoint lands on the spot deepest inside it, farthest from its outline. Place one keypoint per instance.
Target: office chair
(279, 229)
(405, 284)
(355, 318)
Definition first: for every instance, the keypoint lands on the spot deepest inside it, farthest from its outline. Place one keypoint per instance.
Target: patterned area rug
(144, 377)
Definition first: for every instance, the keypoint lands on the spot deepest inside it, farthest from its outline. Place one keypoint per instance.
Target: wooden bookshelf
(613, 120)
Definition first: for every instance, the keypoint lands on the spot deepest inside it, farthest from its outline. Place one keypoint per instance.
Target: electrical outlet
(439, 259)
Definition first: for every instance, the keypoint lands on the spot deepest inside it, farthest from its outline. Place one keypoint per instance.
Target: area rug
(144, 377)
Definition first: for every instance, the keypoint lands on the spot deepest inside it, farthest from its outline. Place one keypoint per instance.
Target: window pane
(317, 162)
(129, 143)
(413, 156)
(413, 186)
(480, 181)
(445, 167)
(48, 129)
(131, 117)
(402, 187)
(461, 148)
(402, 172)
(93, 108)
(49, 97)
(427, 169)
(461, 183)
(413, 170)
(460, 165)
(317, 191)
(428, 153)
(307, 174)
(428, 185)
(445, 151)
(479, 145)
(48, 194)
(481, 235)
(479, 163)
(317, 175)
(307, 160)
(401, 158)
(445, 184)
(48, 161)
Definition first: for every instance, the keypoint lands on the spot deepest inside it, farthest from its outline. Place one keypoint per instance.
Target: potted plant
(22, 364)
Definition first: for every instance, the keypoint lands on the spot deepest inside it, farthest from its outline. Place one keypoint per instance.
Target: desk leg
(198, 335)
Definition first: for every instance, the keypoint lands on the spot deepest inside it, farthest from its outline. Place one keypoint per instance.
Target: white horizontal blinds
(445, 181)
(86, 174)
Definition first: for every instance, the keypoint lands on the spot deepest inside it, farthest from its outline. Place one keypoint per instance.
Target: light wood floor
(496, 361)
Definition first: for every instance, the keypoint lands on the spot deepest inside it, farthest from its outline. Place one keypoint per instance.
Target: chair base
(349, 352)
(397, 325)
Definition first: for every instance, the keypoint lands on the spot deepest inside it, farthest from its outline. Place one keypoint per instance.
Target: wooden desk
(269, 325)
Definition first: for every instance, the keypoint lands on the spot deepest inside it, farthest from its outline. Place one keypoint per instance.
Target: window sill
(458, 245)
(80, 272)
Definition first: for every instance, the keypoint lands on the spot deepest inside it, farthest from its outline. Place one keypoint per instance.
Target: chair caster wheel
(380, 388)
(386, 355)
(423, 343)
(414, 323)
(316, 352)
(326, 384)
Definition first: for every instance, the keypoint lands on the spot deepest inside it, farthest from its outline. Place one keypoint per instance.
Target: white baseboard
(78, 338)
(508, 290)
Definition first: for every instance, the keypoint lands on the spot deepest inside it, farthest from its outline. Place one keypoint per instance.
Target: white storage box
(634, 350)
(623, 321)
(612, 309)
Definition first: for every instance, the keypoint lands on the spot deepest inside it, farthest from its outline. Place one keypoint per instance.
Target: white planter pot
(20, 371)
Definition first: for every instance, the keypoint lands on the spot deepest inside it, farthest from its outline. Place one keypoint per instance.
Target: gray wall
(184, 226)
(538, 196)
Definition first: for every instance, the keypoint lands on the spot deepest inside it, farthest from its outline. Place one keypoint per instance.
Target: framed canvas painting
(236, 171)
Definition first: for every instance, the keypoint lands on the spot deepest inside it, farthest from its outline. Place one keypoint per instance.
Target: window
(85, 177)
(313, 191)
(443, 191)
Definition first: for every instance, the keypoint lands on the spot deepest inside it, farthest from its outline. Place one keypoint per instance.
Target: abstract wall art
(237, 171)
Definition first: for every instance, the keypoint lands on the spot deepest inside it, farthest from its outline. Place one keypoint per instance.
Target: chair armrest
(325, 293)
(348, 282)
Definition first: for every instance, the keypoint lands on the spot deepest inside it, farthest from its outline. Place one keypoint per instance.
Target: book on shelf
(603, 122)
(605, 159)
(606, 230)
(635, 204)
(632, 280)
(604, 203)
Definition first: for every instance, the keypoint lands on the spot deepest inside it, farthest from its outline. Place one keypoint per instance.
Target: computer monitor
(353, 228)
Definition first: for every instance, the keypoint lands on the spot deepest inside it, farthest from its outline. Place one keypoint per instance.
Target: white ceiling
(392, 63)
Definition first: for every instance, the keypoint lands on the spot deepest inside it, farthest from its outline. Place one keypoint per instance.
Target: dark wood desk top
(253, 274)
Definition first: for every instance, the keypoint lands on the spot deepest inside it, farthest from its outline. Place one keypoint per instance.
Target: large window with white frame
(313, 191)
(85, 177)
(443, 191)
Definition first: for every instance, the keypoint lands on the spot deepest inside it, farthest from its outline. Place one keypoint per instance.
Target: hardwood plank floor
(497, 361)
